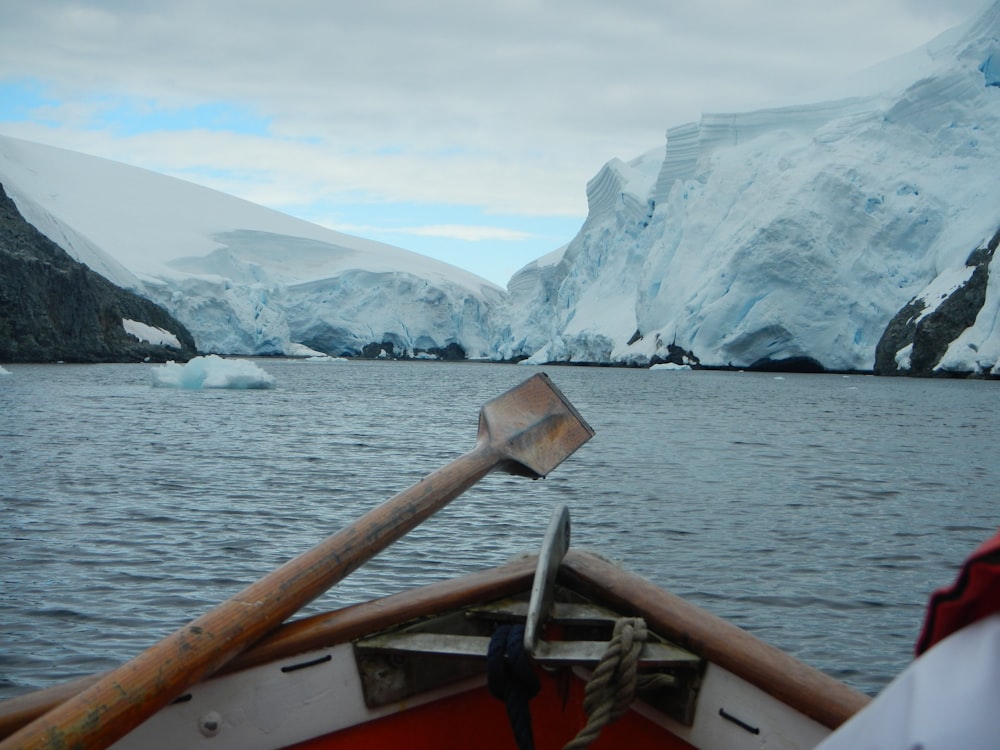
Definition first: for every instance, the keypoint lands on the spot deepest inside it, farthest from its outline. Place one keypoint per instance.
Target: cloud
(545, 78)
(508, 106)
(466, 232)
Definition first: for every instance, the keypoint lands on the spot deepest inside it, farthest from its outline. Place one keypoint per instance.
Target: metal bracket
(543, 589)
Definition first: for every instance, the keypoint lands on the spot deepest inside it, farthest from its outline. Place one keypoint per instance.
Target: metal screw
(209, 724)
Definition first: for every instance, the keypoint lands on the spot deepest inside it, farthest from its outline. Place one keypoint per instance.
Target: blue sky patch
(508, 242)
(131, 116)
(21, 100)
(28, 99)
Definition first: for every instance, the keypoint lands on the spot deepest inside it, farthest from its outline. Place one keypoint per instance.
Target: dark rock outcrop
(788, 364)
(387, 350)
(931, 334)
(675, 355)
(54, 308)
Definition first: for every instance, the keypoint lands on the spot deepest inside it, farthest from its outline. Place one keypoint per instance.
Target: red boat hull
(477, 721)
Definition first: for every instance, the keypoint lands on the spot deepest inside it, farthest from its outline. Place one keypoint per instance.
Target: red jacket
(974, 594)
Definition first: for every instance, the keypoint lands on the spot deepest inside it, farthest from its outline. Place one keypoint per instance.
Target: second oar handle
(529, 429)
(129, 695)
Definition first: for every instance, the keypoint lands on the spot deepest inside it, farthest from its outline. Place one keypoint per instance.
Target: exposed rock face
(919, 335)
(53, 308)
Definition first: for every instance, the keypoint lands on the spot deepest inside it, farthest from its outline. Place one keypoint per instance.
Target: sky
(460, 129)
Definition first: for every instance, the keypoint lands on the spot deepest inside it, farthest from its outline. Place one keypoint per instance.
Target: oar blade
(535, 427)
(510, 426)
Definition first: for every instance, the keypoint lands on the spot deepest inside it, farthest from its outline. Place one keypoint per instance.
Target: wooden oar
(529, 430)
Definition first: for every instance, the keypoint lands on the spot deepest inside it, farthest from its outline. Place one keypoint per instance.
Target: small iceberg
(4, 372)
(670, 366)
(212, 371)
(324, 359)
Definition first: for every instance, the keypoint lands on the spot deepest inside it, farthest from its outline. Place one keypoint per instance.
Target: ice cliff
(244, 279)
(855, 233)
(794, 237)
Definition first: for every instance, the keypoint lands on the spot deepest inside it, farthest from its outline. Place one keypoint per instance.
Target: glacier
(852, 233)
(246, 280)
(789, 237)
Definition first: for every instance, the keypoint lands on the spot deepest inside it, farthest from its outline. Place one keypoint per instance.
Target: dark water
(818, 512)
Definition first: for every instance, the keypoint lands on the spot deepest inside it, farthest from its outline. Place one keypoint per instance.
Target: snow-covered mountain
(856, 233)
(245, 279)
(795, 234)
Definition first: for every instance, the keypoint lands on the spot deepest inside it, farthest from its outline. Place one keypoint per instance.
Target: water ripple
(817, 518)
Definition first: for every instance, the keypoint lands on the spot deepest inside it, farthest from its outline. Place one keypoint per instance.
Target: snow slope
(245, 279)
(789, 233)
(839, 234)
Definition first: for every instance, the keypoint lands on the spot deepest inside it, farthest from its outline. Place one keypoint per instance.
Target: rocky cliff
(53, 308)
(825, 236)
(919, 336)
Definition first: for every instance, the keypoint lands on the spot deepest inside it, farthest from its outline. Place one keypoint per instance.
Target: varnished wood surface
(317, 631)
(807, 690)
(530, 430)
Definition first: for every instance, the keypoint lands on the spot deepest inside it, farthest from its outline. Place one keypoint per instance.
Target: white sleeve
(949, 698)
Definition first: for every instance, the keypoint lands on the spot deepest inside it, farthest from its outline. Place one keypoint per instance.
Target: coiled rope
(615, 680)
(609, 692)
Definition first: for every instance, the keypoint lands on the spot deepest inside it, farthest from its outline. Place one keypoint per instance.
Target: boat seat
(548, 653)
(405, 661)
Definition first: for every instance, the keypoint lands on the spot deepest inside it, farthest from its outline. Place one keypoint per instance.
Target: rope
(612, 685)
(512, 679)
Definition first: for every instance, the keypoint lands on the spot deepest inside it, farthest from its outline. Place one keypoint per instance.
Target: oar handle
(529, 429)
(129, 695)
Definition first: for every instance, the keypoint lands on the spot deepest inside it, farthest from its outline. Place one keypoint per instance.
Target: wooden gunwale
(529, 430)
(799, 686)
(792, 682)
(318, 631)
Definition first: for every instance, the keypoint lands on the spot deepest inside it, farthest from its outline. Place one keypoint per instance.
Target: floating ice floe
(4, 372)
(212, 371)
(670, 366)
(323, 359)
